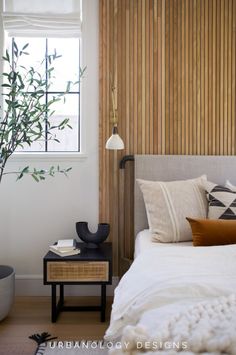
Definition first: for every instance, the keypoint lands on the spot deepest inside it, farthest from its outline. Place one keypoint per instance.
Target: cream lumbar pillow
(169, 203)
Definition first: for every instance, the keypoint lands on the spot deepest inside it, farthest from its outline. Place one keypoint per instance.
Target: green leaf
(35, 177)
(25, 46)
(20, 176)
(25, 170)
(7, 57)
(15, 46)
(68, 86)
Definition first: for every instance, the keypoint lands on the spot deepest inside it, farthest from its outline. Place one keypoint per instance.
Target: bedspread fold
(168, 281)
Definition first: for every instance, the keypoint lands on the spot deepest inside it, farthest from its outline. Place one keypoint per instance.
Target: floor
(31, 315)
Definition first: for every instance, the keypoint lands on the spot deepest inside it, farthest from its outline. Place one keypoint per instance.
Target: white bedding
(163, 281)
(144, 241)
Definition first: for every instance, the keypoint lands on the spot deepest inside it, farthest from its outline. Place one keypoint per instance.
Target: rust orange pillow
(207, 232)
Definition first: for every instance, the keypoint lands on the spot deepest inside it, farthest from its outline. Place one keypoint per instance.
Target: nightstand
(90, 267)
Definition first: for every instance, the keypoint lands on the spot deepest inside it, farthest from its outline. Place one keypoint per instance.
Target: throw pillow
(207, 232)
(221, 201)
(169, 203)
(230, 186)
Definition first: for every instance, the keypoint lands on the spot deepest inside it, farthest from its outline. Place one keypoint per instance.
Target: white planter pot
(7, 289)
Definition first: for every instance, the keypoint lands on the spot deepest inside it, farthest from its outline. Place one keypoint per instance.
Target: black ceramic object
(92, 240)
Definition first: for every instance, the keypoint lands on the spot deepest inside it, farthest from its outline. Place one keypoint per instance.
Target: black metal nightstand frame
(103, 253)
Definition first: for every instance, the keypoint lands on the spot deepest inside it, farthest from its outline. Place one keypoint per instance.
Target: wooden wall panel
(174, 65)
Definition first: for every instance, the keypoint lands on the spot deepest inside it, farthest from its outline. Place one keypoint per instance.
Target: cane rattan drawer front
(77, 271)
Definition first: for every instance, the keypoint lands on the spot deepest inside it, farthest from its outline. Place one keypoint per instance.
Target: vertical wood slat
(135, 65)
(174, 65)
(131, 73)
(217, 74)
(209, 87)
(201, 104)
(176, 72)
(225, 74)
(187, 96)
(162, 45)
(167, 75)
(189, 45)
(127, 75)
(150, 81)
(195, 119)
(171, 75)
(144, 123)
(213, 79)
(202, 77)
(229, 92)
(147, 79)
(155, 77)
(233, 80)
(139, 77)
(159, 83)
(198, 80)
(222, 28)
(182, 118)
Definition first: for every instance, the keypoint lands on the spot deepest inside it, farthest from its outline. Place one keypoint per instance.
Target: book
(62, 253)
(66, 244)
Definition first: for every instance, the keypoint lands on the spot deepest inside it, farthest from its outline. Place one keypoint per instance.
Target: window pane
(67, 66)
(38, 146)
(69, 138)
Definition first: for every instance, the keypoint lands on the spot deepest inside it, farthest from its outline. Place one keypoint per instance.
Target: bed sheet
(144, 242)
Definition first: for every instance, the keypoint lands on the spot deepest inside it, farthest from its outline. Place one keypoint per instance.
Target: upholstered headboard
(177, 167)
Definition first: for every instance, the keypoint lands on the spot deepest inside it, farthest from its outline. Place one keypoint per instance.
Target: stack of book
(65, 247)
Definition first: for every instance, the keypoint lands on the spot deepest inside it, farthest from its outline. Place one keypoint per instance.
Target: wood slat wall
(174, 64)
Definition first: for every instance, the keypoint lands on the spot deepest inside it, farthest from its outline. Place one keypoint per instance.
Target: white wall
(34, 215)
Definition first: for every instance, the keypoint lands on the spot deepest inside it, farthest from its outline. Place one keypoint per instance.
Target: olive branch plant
(25, 114)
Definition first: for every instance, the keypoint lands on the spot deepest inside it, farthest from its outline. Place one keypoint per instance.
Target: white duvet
(163, 283)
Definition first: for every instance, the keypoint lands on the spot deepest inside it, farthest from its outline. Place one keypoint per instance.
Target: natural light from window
(66, 68)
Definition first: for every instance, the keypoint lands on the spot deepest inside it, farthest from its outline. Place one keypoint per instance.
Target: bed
(176, 298)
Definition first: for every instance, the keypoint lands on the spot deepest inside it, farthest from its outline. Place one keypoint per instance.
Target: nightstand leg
(54, 304)
(103, 303)
(61, 300)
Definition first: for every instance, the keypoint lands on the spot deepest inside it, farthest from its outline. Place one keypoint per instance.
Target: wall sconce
(114, 142)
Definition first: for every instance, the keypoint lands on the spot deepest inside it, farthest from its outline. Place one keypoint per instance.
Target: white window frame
(90, 82)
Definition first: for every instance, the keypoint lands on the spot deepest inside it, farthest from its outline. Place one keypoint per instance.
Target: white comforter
(163, 282)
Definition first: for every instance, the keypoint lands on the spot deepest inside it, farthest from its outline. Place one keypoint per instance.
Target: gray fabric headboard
(178, 167)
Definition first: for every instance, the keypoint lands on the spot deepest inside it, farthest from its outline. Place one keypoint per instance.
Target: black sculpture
(92, 240)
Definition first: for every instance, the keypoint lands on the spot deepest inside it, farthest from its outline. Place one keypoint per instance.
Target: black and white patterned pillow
(221, 201)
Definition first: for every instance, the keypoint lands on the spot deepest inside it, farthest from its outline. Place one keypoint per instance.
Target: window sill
(54, 157)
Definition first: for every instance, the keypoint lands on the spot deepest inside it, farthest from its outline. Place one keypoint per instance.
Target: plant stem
(2, 170)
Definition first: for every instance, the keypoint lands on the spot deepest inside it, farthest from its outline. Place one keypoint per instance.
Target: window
(66, 68)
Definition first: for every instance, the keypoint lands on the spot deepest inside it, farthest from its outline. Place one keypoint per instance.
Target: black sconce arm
(124, 160)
